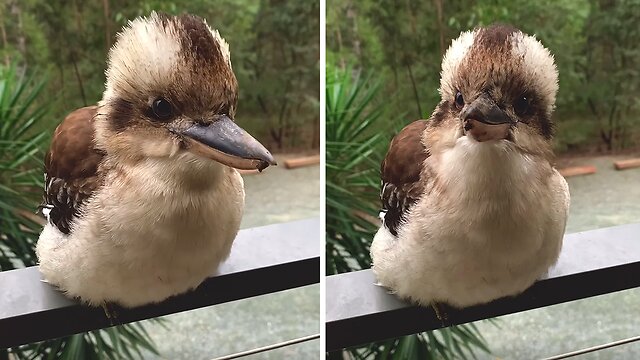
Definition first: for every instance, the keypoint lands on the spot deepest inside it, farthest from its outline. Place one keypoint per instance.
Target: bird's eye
(521, 106)
(459, 100)
(162, 109)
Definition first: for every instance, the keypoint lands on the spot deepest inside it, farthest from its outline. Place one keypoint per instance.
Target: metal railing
(591, 263)
(264, 260)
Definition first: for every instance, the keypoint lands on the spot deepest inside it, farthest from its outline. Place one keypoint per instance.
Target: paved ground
(277, 195)
(607, 198)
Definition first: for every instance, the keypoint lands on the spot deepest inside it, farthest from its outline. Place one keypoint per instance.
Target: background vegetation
(595, 43)
(274, 50)
(383, 71)
(52, 61)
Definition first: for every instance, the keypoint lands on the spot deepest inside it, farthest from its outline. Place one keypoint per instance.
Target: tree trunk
(16, 12)
(107, 26)
(352, 15)
(282, 118)
(613, 119)
(438, 4)
(79, 79)
(315, 137)
(62, 92)
(78, 17)
(343, 64)
(415, 90)
(605, 138)
(5, 44)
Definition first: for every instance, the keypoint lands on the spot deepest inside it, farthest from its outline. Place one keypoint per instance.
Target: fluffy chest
(486, 197)
(148, 233)
(164, 207)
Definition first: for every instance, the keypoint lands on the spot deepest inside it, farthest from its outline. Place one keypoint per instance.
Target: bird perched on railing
(473, 209)
(142, 198)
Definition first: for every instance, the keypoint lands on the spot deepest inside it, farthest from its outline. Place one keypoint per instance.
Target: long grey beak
(226, 142)
(485, 110)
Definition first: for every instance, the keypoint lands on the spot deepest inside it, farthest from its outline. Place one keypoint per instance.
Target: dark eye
(521, 106)
(162, 109)
(459, 100)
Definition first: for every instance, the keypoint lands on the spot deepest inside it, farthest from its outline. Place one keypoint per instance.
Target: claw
(110, 314)
(440, 311)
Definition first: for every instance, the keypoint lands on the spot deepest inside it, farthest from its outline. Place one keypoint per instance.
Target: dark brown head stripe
(196, 39)
(546, 126)
(489, 54)
(542, 121)
(164, 18)
(121, 114)
(496, 36)
(442, 111)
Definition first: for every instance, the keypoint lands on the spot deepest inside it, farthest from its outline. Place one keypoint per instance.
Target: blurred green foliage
(274, 49)
(595, 43)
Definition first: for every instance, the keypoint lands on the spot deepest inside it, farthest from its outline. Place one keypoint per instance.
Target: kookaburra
(142, 198)
(473, 208)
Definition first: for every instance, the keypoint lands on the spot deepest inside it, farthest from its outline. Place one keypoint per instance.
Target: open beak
(485, 121)
(227, 143)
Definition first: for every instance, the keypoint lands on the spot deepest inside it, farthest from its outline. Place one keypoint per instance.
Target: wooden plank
(263, 260)
(627, 164)
(302, 161)
(248, 172)
(577, 170)
(591, 263)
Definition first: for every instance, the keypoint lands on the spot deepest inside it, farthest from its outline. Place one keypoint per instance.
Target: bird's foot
(110, 313)
(441, 312)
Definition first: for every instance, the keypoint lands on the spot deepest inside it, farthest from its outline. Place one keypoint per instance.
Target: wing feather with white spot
(400, 172)
(71, 168)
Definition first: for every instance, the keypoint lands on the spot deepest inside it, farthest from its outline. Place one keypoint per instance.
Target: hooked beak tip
(265, 163)
(227, 143)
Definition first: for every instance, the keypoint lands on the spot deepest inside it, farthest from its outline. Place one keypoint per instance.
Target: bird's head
(171, 93)
(499, 84)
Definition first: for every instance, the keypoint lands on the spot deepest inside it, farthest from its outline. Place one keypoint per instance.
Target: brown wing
(400, 173)
(71, 168)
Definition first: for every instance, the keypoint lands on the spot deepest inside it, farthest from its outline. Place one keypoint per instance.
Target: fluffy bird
(142, 198)
(473, 209)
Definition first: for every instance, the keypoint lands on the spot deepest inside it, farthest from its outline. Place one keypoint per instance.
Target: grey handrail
(591, 263)
(263, 260)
